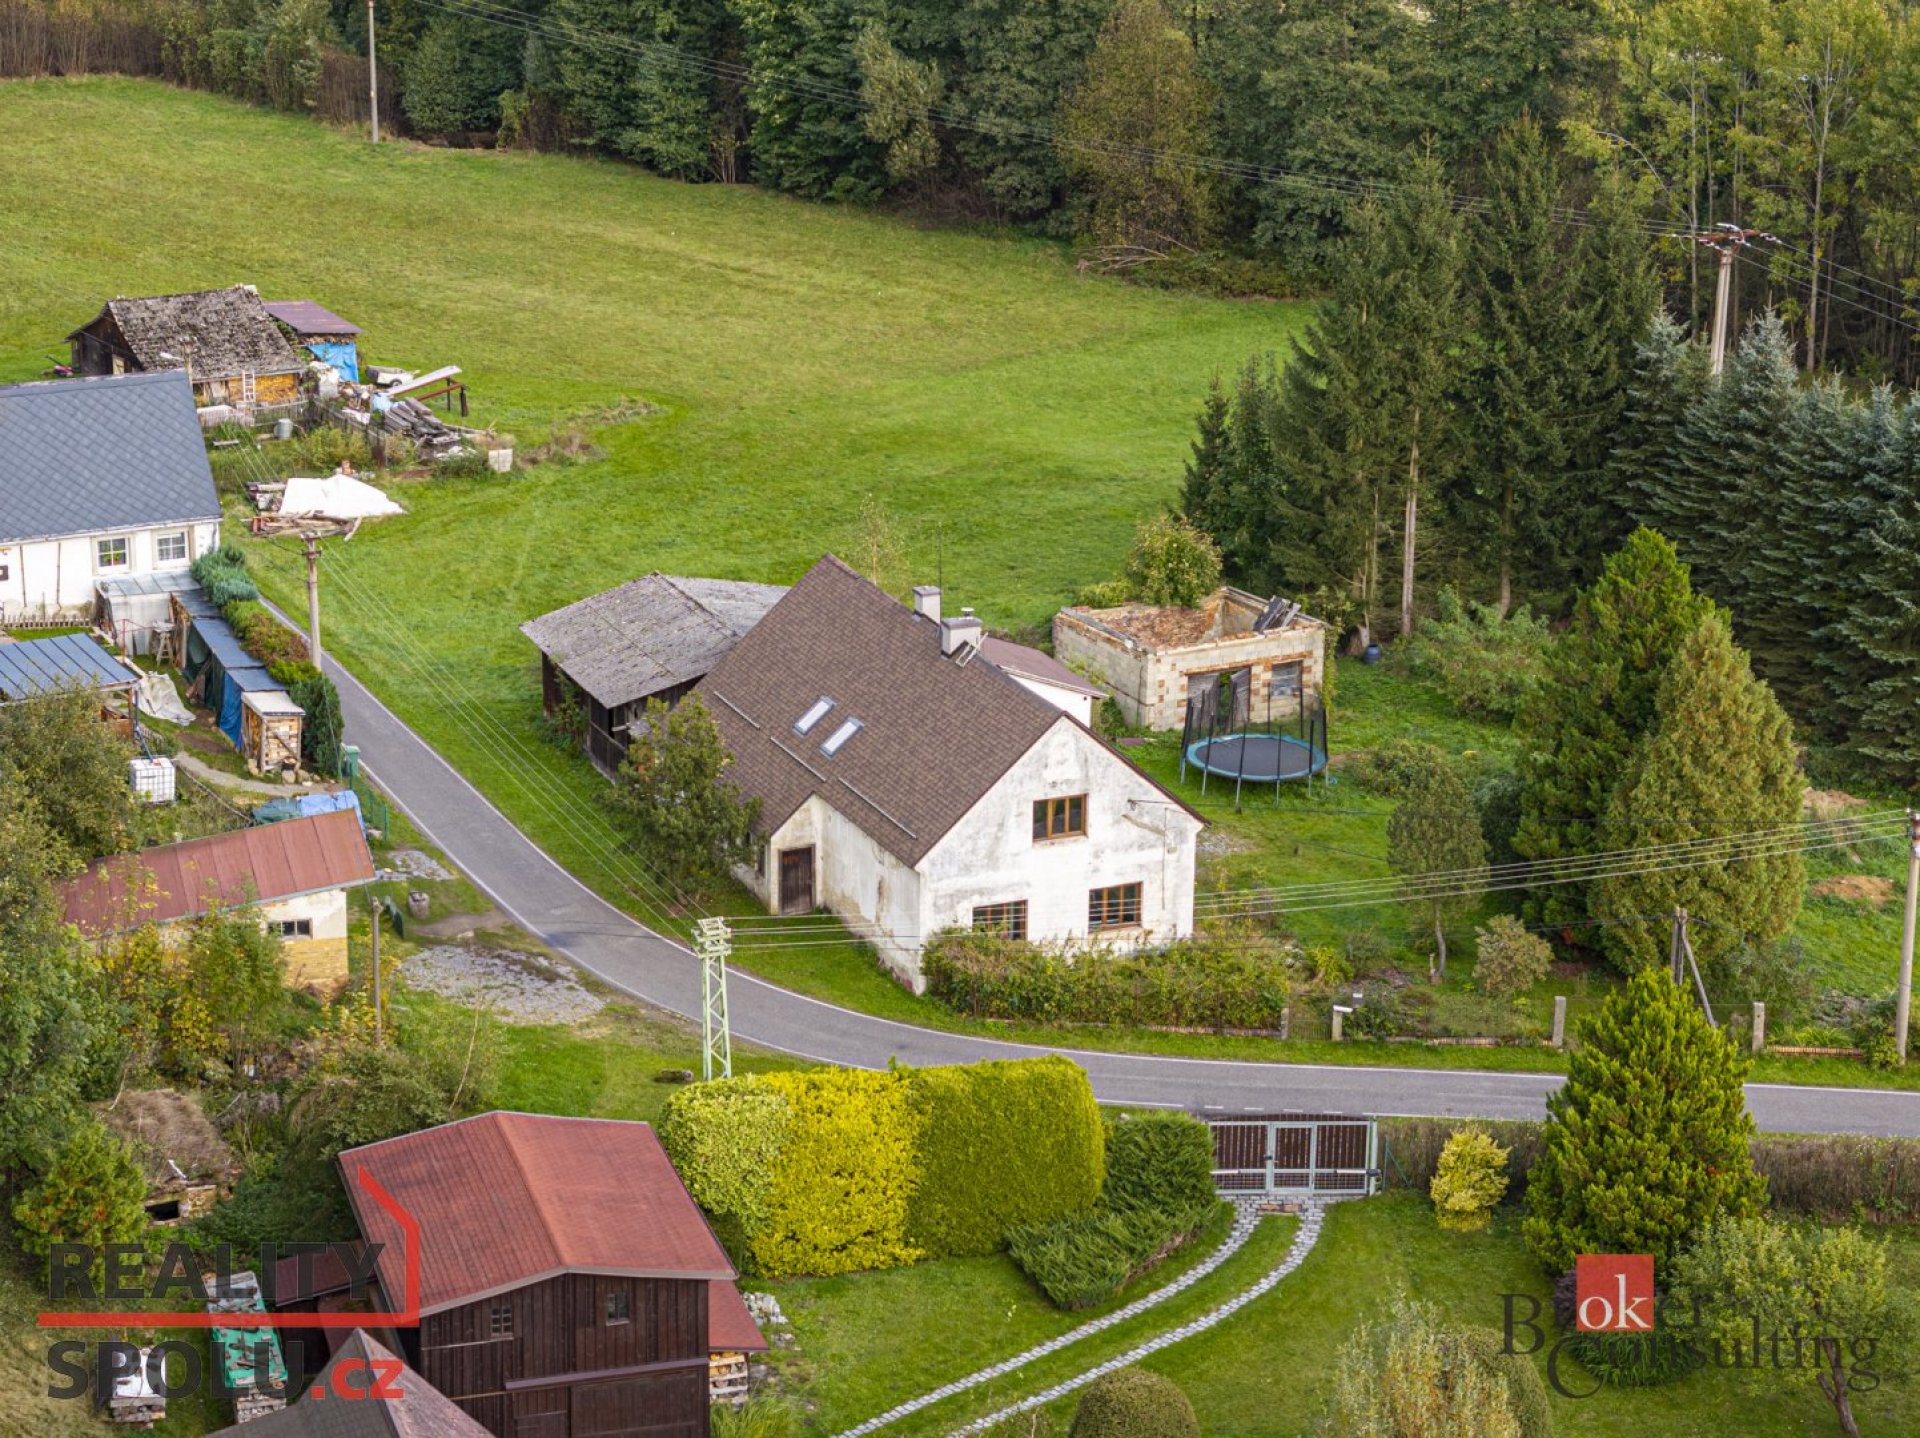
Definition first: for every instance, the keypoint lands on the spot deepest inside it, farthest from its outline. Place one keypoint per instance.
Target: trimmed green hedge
(263, 636)
(1234, 981)
(1134, 1403)
(1159, 1160)
(1001, 1145)
(830, 1171)
(223, 574)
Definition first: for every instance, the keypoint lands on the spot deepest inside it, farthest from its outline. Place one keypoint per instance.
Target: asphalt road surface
(562, 912)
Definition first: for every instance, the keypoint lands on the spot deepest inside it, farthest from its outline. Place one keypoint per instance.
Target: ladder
(247, 391)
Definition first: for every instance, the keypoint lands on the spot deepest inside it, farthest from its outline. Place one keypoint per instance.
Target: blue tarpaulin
(230, 712)
(343, 355)
(305, 806)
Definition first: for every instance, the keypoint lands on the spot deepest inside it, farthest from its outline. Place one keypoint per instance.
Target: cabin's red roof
(506, 1199)
(257, 865)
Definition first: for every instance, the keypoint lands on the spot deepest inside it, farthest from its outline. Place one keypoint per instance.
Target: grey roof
(221, 332)
(416, 1408)
(89, 456)
(1025, 662)
(652, 634)
(304, 317)
(66, 661)
(936, 734)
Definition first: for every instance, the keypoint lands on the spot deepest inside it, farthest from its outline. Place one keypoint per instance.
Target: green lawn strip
(1265, 1249)
(1269, 1370)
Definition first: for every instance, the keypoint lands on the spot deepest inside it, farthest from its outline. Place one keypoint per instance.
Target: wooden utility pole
(313, 600)
(373, 78)
(378, 1035)
(1903, 999)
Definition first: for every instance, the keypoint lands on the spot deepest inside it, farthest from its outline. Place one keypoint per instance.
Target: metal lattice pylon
(711, 941)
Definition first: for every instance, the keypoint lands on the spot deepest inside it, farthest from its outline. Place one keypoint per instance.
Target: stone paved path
(1246, 1217)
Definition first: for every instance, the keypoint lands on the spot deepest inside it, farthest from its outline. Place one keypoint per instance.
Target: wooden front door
(796, 880)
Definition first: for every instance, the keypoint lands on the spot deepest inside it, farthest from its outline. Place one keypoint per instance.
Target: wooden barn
(225, 340)
(368, 1393)
(569, 1285)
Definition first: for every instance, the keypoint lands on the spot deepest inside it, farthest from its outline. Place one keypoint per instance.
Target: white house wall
(1134, 834)
(872, 891)
(1067, 701)
(57, 576)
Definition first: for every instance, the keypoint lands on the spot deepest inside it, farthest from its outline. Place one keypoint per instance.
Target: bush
(1411, 1149)
(1159, 1160)
(1416, 1377)
(1526, 1389)
(982, 1172)
(1496, 793)
(1511, 959)
(223, 574)
(92, 1193)
(323, 728)
(1210, 981)
(1134, 1403)
(1486, 663)
(723, 1138)
(1469, 1181)
(263, 636)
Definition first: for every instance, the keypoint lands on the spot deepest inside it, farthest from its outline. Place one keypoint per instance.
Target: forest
(1218, 138)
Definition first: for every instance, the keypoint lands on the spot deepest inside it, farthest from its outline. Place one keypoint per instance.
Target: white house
(100, 479)
(910, 784)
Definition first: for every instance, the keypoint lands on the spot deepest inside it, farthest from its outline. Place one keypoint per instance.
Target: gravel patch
(521, 988)
(412, 864)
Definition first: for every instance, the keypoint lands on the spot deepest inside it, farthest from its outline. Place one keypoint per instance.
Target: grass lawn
(1266, 1371)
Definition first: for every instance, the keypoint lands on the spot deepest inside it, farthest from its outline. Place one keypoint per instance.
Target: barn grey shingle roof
(87, 456)
(66, 661)
(656, 632)
(222, 332)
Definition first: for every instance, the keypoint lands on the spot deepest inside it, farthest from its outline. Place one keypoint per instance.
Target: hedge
(1411, 1149)
(1134, 1403)
(831, 1171)
(1001, 1145)
(1214, 981)
(263, 636)
(1159, 1160)
(222, 572)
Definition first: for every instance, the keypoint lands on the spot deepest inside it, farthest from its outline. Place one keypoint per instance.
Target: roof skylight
(813, 716)
(839, 737)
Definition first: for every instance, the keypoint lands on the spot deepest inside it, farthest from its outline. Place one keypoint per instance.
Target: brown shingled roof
(347, 1409)
(505, 1199)
(259, 865)
(936, 733)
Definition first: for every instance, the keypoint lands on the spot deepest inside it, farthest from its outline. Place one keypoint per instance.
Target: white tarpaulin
(338, 496)
(159, 698)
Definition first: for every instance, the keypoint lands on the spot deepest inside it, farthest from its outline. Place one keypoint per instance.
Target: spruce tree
(1646, 1142)
(1847, 660)
(1203, 494)
(1719, 761)
(1579, 728)
(1669, 376)
(1524, 377)
(1884, 622)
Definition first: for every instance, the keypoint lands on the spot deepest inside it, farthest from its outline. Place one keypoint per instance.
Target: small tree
(1829, 1289)
(1134, 1403)
(1469, 1181)
(687, 821)
(1646, 1142)
(234, 967)
(1512, 960)
(900, 95)
(55, 751)
(1435, 831)
(1172, 562)
(1413, 1378)
(93, 1194)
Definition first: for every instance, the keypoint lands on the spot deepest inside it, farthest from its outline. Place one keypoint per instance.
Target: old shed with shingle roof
(910, 784)
(224, 339)
(365, 1391)
(563, 1270)
(654, 638)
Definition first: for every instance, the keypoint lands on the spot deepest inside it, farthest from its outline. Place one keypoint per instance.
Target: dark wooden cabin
(231, 349)
(367, 1395)
(568, 1281)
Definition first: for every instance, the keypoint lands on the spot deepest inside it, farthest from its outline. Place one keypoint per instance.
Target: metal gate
(1303, 1155)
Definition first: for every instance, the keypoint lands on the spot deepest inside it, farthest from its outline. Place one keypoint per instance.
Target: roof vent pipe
(926, 601)
(958, 634)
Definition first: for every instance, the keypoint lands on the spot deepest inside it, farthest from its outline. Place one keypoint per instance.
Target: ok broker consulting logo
(70, 1271)
(1614, 1293)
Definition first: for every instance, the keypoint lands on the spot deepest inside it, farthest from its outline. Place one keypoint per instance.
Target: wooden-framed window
(1114, 907)
(170, 548)
(500, 1321)
(1062, 818)
(1008, 920)
(110, 553)
(294, 928)
(618, 1310)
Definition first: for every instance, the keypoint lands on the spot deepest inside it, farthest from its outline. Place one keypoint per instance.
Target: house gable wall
(877, 896)
(56, 577)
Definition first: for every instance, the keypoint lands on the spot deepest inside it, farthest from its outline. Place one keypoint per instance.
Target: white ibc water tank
(152, 779)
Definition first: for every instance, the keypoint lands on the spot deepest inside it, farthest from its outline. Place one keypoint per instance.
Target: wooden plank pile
(413, 421)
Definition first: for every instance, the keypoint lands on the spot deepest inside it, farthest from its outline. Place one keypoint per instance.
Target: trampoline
(1259, 758)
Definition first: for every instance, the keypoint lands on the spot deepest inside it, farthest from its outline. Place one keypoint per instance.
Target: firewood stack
(412, 420)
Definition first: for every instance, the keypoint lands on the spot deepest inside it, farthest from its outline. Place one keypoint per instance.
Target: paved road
(550, 903)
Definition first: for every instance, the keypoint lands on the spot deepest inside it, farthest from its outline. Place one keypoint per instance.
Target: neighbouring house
(1046, 676)
(296, 874)
(30, 668)
(367, 1391)
(187, 1165)
(1153, 656)
(226, 342)
(603, 658)
(99, 479)
(909, 784)
(321, 333)
(568, 1284)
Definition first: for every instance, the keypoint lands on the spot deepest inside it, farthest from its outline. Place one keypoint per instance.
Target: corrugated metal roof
(90, 456)
(304, 317)
(66, 661)
(248, 866)
(654, 633)
(505, 1199)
